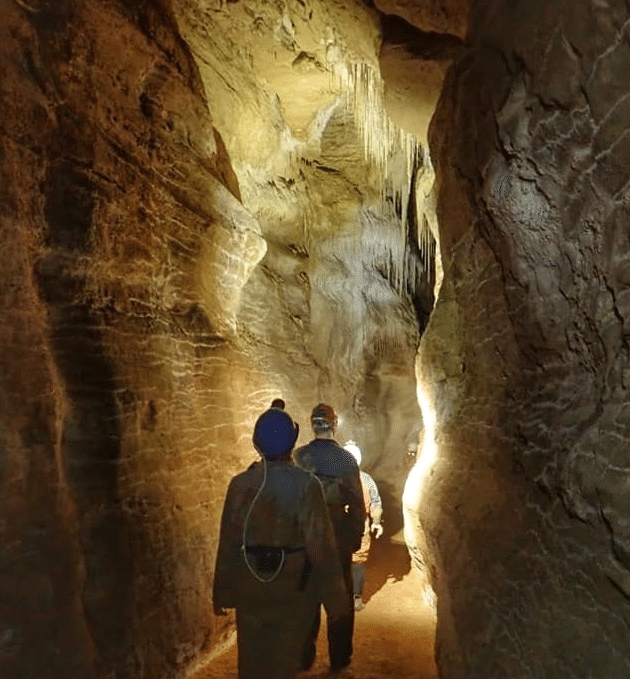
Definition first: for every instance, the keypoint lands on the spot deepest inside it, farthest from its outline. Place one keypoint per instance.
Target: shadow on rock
(388, 561)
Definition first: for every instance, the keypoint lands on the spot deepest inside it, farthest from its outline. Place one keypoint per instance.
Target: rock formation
(523, 368)
(207, 204)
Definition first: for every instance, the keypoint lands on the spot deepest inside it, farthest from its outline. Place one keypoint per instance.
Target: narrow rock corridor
(416, 211)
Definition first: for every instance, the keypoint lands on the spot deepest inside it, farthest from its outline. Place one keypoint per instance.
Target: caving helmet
(323, 417)
(275, 433)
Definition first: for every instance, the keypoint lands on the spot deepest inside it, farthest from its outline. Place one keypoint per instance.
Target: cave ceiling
(308, 97)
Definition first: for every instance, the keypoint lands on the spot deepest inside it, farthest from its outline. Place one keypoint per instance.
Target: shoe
(359, 604)
(338, 668)
(305, 666)
(307, 660)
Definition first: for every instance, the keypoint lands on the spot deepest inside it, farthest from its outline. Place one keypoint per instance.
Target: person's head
(275, 434)
(278, 403)
(323, 420)
(354, 450)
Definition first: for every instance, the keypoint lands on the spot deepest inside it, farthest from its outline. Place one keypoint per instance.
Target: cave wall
(185, 237)
(521, 493)
(123, 414)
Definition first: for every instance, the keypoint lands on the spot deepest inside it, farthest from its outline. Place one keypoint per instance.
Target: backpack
(333, 493)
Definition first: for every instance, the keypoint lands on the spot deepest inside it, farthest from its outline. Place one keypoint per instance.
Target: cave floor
(394, 634)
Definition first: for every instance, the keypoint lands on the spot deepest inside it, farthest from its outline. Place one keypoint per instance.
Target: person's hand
(377, 529)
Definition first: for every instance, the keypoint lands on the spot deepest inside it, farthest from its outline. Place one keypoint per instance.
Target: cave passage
(205, 205)
(394, 634)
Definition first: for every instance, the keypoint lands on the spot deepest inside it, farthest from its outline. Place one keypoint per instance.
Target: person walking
(277, 558)
(339, 475)
(372, 503)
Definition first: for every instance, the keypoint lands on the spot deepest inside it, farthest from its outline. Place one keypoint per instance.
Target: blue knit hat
(275, 433)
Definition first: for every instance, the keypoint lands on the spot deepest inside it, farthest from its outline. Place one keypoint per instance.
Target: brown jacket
(289, 513)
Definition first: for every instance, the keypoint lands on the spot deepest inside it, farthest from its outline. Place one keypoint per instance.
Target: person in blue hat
(277, 557)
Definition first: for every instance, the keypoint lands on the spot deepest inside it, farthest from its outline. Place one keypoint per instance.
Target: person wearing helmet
(339, 475)
(372, 502)
(277, 557)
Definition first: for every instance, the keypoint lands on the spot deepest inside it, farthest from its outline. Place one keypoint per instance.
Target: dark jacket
(339, 474)
(290, 513)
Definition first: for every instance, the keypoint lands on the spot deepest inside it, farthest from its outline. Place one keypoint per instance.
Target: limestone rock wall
(435, 16)
(521, 493)
(126, 402)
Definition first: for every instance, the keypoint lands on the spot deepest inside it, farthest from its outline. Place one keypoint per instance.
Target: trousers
(359, 578)
(269, 645)
(339, 630)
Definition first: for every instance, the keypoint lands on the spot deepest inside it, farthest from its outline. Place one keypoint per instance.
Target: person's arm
(222, 581)
(356, 508)
(375, 509)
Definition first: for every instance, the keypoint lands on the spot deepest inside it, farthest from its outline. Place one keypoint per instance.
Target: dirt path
(394, 634)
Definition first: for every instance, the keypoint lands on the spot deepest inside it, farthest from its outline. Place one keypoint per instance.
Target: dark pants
(339, 630)
(273, 621)
(359, 578)
(269, 645)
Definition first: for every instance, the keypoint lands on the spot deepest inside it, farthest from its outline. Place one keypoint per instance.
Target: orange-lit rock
(525, 358)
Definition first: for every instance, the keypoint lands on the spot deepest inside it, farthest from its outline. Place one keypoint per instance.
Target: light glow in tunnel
(412, 499)
(427, 455)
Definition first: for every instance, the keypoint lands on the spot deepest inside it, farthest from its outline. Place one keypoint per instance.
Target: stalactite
(393, 155)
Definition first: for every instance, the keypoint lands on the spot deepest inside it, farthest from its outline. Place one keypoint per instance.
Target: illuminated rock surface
(204, 207)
